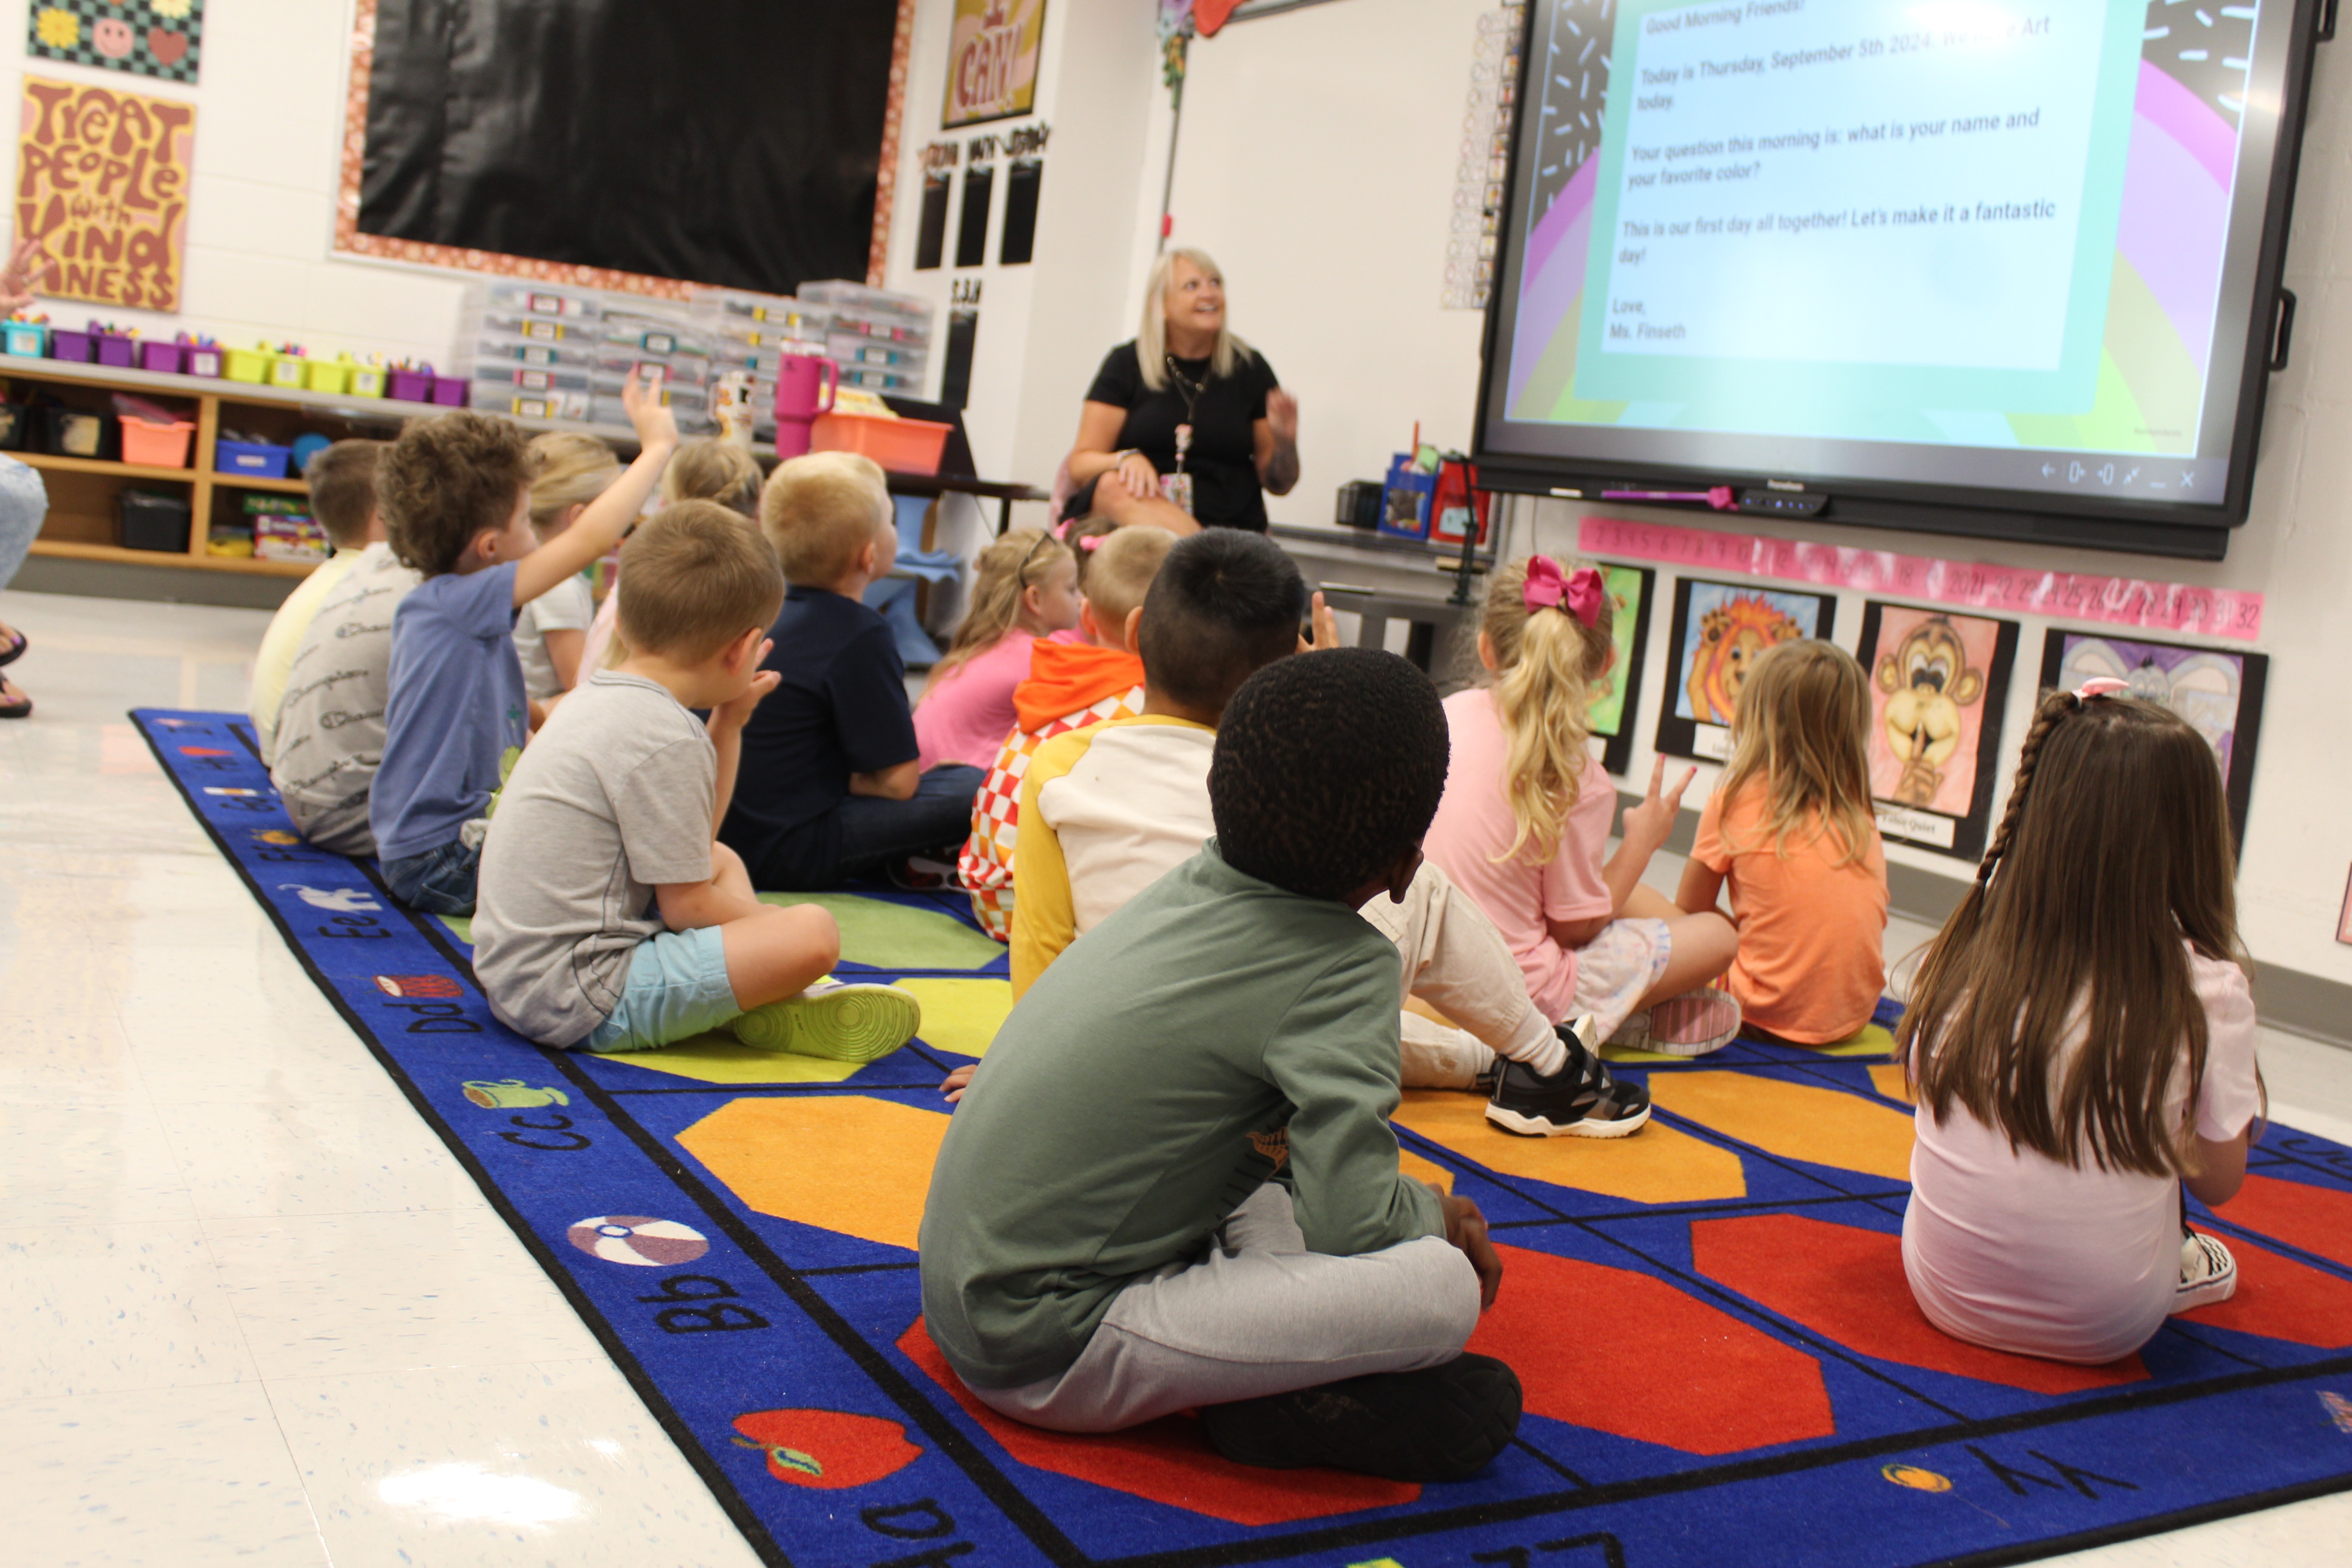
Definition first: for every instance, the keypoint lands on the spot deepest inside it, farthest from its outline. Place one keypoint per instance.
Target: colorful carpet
(1721, 1360)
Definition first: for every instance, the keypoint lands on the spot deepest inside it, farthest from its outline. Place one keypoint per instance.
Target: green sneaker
(838, 1022)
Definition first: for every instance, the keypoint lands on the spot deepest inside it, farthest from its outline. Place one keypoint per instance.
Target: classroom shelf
(98, 465)
(77, 550)
(249, 482)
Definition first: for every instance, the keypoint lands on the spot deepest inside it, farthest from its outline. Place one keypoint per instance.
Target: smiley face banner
(103, 180)
(161, 38)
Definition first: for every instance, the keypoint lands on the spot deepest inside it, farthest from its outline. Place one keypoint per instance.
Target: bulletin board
(749, 144)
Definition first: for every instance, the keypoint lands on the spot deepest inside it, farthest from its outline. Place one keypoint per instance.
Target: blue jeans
(24, 502)
(864, 834)
(439, 881)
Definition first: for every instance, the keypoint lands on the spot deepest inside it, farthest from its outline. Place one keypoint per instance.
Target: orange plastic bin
(902, 445)
(153, 445)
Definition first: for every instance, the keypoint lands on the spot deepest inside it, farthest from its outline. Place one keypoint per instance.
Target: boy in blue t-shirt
(831, 787)
(454, 491)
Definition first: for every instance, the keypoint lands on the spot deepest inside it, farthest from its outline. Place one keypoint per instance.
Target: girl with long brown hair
(2081, 1036)
(1525, 824)
(1790, 828)
(1025, 586)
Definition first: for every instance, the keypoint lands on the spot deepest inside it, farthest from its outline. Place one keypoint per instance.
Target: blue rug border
(1274, 1543)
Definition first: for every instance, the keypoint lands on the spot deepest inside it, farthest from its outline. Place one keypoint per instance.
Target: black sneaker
(1584, 1100)
(1441, 1424)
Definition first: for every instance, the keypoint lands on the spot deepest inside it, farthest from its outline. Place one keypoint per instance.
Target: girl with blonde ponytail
(1025, 586)
(1525, 825)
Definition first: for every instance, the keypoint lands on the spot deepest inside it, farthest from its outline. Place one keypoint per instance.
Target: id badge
(1178, 490)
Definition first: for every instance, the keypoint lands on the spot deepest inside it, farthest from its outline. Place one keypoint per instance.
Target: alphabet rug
(1721, 1359)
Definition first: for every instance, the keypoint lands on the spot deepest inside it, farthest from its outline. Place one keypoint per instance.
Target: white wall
(261, 200)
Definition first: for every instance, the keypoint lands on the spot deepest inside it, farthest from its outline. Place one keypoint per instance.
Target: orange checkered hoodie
(1070, 686)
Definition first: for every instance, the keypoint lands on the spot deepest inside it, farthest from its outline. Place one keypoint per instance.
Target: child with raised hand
(2081, 1036)
(1790, 828)
(1105, 1241)
(456, 493)
(610, 918)
(569, 472)
(1070, 685)
(1024, 587)
(1526, 822)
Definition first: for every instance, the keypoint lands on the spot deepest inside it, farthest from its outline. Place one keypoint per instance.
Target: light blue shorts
(677, 987)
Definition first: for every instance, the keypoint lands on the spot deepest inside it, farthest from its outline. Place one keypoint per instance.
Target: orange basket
(153, 445)
(902, 445)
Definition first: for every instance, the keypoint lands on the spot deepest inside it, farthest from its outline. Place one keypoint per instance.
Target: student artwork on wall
(1938, 684)
(117, 241)
(1720, 630)
(161, 38)
(2218, 691)
(1611, 712)
(993, 61)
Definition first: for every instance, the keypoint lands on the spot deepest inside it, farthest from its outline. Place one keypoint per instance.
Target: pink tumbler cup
(799, 378)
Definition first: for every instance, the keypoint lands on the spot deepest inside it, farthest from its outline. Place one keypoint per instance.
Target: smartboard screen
(1989, 266)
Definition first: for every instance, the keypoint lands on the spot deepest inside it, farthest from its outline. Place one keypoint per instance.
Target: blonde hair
(710, 469)
(1015, 561)
(1151, 337)
(1116, 574)
(1546, 661)
(819, 511)
(567, 469)
(1800, 734)
(700, 577)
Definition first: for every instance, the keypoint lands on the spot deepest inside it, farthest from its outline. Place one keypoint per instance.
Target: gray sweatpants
(1259, 1315)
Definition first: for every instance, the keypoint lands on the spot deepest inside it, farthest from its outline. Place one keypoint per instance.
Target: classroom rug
(1721, 1360)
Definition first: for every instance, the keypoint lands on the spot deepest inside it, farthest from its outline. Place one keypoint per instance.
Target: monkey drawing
(1928, 681)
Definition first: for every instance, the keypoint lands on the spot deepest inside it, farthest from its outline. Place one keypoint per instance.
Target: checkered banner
(161, 38)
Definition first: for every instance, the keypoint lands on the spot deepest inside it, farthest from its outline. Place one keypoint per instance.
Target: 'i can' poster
(103, 181)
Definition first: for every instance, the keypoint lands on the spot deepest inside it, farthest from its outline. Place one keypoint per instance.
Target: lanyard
(1191, 393)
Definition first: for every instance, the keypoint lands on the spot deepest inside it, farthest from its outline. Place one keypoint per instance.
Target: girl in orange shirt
(1789, 826)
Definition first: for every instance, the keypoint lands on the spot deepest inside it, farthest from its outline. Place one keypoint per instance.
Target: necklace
(1178, 487)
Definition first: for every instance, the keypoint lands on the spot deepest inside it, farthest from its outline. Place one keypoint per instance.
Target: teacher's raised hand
(28, 265)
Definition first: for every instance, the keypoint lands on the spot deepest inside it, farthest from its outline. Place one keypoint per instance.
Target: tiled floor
(251, 1309)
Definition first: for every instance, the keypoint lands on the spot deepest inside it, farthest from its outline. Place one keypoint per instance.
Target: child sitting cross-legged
(1790, 828)
(1106, 1242)
(1025, 588)
(1070, 686)
(707, 468)
(1525, 821)
(341, 482)
(1106, 811)
(456, 492)
(609, 918)
(832, 787)
(2081, 1036)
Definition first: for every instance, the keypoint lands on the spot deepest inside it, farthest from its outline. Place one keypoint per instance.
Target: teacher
(1187, 411)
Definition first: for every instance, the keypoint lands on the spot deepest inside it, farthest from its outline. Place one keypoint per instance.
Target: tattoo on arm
(1281, 470)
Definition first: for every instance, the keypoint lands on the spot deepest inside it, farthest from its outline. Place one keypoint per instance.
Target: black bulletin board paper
(730, 141)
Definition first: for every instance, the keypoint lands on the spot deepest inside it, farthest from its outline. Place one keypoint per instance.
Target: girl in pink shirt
(2082, 1040)
(1524, 826)
(1025, 586)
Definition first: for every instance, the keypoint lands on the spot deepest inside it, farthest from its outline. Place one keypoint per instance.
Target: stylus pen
(1719, 498)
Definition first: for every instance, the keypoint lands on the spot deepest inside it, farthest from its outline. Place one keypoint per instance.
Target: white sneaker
(2207, 1273)
(1694, 1023)
(1633, 1035)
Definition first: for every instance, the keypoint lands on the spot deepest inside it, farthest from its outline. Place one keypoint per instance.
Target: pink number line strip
(2060, 595)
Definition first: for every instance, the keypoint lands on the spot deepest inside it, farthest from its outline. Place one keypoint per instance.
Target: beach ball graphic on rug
(827, 1449)
(638, 1239)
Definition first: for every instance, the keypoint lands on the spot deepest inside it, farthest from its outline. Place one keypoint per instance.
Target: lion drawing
(1731, 638)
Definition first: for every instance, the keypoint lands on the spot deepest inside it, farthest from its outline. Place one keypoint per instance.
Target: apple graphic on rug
(828, 1449)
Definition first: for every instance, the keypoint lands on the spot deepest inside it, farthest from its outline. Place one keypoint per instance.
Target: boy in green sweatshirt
(1172, 1182)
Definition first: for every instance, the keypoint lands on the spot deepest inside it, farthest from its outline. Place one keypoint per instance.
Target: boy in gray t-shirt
(330, 738)
(608, 916)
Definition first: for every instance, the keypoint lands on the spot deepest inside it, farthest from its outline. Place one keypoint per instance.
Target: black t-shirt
(840, 709)
(1223, 458)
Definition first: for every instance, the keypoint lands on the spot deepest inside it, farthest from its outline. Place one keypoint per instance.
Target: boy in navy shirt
(830, 786)
(454, 491)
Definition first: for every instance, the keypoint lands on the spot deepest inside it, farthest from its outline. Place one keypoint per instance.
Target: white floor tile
(345, 1294)
(97, 1161)
(109, 1308)
(549, 1462)
(2313, 1534)
(313, 1157)
(171, 1478)
(54, 1049)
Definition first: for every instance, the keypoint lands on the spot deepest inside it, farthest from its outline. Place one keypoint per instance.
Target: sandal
(16, 649)
(13, 704)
